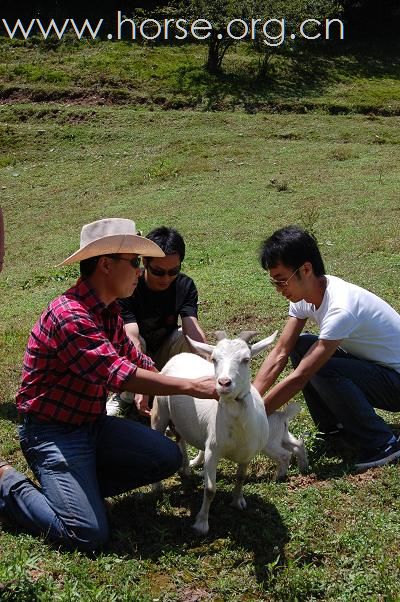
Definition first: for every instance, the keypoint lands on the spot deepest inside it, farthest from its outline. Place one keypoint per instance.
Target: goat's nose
(224, 382)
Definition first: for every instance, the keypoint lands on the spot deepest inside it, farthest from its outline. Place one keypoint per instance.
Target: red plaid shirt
(77, 351)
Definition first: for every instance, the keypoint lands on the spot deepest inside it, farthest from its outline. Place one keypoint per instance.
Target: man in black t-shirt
(163, 296)
(151, 315)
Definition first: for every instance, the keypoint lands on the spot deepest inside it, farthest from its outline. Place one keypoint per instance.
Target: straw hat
(112, 235)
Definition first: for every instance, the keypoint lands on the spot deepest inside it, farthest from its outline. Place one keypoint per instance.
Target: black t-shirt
(156, 312)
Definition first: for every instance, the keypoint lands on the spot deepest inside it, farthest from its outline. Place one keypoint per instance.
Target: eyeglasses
(283, 283)
(160, 272)
(135, 262)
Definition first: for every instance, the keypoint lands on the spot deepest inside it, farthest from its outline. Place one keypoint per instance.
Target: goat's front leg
(238, 500)
(159, 421)
(184, 470)
(198, 460)
(210, 478)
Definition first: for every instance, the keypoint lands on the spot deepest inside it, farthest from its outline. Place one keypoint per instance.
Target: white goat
(280, 446)
(235, 427)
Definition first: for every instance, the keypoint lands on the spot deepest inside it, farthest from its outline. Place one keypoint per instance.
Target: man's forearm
(283, 392)
(136, 342)
(269, 372)
(316, 357)
(153, 383)
(192, 328)
(132, 331)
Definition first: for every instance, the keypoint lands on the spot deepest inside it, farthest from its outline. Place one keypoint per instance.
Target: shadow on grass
(331, 458)
(291, 75)
(328, 469)
(336, 458)
(8, 411)
(139, 528)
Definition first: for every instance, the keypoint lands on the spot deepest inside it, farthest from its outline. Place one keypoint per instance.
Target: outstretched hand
(204, 388)
(142, 404)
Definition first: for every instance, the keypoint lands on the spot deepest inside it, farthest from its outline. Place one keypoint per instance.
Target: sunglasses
(283, 283)
(135, 262)
(160, 273)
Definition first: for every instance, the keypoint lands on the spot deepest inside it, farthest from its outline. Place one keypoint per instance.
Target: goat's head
(231, 359)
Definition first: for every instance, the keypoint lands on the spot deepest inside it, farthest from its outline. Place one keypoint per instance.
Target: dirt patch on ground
(197, 594)
(15, 95)
(111, 96)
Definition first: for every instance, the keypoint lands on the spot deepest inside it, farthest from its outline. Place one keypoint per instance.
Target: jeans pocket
(42, 447)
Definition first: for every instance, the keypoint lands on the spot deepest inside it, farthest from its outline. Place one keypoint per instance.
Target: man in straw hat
(76, 352)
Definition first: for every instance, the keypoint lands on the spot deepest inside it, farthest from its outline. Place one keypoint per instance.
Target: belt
(31, 418)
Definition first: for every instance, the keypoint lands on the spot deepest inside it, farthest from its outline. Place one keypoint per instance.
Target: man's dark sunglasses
(160, 273)
(135, 262)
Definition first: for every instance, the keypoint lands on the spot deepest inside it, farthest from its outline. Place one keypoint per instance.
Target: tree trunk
(213, 64)
(263, 66)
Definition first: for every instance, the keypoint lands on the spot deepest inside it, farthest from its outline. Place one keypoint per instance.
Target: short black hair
(169, 240)
(291, 246)
(88, 266)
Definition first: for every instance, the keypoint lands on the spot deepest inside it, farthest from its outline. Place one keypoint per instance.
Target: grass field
(226, 180)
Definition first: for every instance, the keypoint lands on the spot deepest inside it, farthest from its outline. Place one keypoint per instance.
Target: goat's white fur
(281, 443)
(236, 427)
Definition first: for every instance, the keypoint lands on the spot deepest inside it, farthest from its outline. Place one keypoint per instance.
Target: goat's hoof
(199, 473)
(304, 467)
(200, 527)
(195, 464)
(198, 468)
(239, 503)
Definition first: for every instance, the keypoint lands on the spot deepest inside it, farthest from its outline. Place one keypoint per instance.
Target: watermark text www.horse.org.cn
(272, 32)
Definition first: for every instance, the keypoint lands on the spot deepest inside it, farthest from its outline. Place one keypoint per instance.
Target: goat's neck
(241, 399)
(244, 398)
(236, 407)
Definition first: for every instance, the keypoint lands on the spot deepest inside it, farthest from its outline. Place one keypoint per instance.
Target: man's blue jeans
(346, 390)
(77, 467)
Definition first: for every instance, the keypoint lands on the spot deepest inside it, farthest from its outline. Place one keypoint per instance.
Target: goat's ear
(261, 345)
(202, 349)
(247, 335)
(220, 334)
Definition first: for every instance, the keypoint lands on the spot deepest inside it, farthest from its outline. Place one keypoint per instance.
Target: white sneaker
(117, 403)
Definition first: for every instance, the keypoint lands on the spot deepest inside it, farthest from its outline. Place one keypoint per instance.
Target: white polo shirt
(367, 326)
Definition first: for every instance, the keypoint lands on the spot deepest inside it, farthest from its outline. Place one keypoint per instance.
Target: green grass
(226, 180)
(335, 78)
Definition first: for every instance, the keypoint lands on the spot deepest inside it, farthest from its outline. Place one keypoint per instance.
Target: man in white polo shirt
(351, 367)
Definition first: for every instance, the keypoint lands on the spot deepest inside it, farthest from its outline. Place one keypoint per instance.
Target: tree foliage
(277, 38)
(219, 13)
(270, 23)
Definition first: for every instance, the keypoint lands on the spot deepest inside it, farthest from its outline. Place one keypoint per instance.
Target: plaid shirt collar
(89, 298)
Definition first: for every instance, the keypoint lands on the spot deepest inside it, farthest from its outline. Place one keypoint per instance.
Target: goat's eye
(245, 360)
